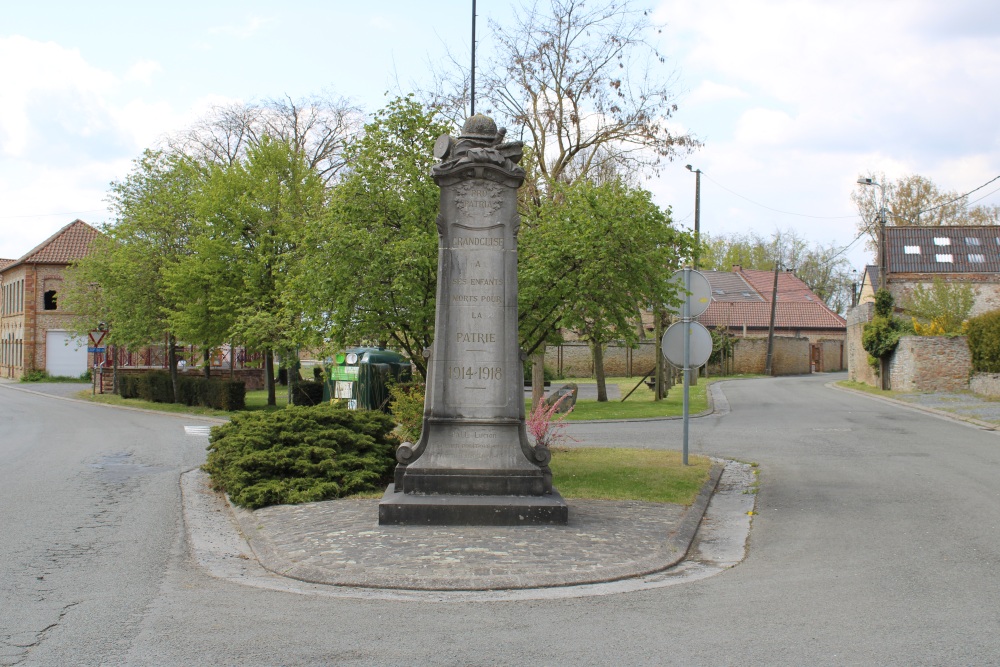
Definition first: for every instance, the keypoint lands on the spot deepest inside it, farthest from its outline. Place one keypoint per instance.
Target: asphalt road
(876, 542)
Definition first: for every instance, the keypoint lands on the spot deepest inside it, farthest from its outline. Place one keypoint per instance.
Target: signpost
(687, 343)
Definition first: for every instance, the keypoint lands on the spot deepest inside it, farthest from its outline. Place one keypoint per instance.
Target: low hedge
(155, 386)
(301, 454)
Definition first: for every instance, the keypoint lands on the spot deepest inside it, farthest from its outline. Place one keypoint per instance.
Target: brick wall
(930, 363)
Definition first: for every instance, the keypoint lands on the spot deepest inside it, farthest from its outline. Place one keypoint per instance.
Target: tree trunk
(658, 375)
(269, 376)
(207, 365)
(537, 377)
(172, 365)
(602, 389)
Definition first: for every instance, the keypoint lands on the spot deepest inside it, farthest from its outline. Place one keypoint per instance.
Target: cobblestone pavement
(340, 542)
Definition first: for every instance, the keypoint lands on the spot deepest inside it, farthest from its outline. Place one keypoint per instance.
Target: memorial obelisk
(474, 464)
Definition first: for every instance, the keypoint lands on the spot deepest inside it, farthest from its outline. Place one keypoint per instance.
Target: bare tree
(915, 201)
(583, 80)
(317, 126)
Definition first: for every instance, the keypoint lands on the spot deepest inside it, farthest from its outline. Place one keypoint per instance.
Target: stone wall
(985, 384)
(574, 359)
(857, 359)
(986, 286)
(790, 357)
(930, 363)
(833, 355)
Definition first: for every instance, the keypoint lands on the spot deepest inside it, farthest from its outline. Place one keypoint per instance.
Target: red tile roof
(4, 263)
(757, 315)
(790, 286)
(69, 243)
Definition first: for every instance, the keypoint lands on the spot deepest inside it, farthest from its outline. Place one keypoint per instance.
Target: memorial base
(408, 509)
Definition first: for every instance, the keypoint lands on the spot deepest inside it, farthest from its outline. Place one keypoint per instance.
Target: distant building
(34, 330)
(918, 255)
(741, 303)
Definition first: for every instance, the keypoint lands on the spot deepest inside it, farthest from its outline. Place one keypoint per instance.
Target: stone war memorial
(473, 463)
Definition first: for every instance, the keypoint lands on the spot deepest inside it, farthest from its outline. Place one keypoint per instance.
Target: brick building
(34, 330)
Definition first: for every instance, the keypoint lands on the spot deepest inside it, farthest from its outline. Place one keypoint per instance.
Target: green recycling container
(362, 375)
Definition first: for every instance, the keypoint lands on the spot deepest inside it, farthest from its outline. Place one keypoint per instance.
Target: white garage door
(64, 354)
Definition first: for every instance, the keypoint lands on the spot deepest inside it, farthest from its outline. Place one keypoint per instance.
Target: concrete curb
(970, 421)
(674, 550)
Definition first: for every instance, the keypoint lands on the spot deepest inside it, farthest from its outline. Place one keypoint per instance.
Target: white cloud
(143, 71)
(245, 30)
(45, 78)
(710, 91)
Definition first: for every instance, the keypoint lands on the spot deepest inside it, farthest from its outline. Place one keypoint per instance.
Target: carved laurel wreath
(494, 198)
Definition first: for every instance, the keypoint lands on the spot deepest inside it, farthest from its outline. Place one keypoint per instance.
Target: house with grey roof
(917, 255)
(35, 331)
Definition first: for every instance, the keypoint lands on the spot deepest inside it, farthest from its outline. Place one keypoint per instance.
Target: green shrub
(35, 376)
(301, 454)
(984, 342)
(155, 386)
(881, 336)
(308, 392)
(407, 408)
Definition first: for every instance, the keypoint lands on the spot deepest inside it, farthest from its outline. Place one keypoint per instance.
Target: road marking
(200, 431)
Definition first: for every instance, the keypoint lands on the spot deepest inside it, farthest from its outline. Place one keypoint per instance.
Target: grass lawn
(628, 474)
(256, 400)
(646, 475)
(867, 388)
(640, 404)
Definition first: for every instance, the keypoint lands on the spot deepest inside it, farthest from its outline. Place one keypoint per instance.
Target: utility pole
(770, 331)
(697, 215)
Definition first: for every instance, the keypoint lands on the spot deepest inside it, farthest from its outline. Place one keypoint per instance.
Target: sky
(793, 100)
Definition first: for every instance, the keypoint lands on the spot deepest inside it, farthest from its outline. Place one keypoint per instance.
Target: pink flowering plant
(547, 426)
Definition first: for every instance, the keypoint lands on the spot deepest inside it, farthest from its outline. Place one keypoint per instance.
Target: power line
(952, 201)
(801, 215)
(52, 215)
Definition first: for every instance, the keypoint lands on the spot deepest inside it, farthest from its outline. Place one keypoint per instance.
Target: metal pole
(686, 318)
(472, 85)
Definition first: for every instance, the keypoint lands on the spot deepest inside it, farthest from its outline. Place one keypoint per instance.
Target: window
(911, 249)
(942, 240)
(971, 240)
(977, 259)
(947, 259)
(50, 300)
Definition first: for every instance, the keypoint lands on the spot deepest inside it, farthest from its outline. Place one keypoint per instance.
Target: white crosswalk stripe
(202, 431)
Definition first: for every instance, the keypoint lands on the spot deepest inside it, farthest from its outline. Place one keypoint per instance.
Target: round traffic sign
(701, 292)
(700, 346)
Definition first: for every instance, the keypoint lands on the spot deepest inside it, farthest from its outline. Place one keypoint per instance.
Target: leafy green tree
(121, 282)
(378, 244)
(257, 213)
(613, 251)
(944, 306)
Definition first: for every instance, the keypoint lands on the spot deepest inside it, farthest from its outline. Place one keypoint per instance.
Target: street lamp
(697, 213)
(883, 259)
